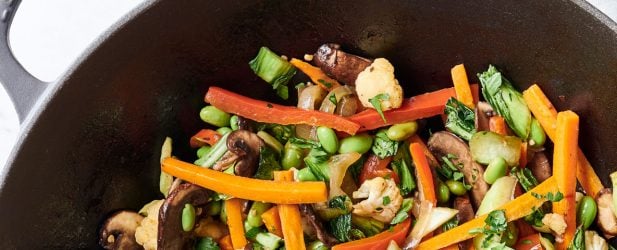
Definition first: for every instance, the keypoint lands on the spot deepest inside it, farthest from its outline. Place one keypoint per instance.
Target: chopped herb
(304, 143)
(496, 224)
(207, 243)
(460, 119)
(526, 242)
(549, 196)
(402, 213)
(376, 102)
(452, 223)
(457, 176)
(578, 243)
(332, 99)
(327, 84)
(386, 200)
(525, 178)
(268, 163)
(535, 217)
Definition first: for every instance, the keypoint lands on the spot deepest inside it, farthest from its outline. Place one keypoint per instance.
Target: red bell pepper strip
(379, 241)
(205, 137)
(530, 242)
(423, 171)
(262, 111)
(417, 107)
(375, 167)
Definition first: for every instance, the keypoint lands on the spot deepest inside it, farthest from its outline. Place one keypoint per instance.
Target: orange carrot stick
(262, 111)
(546, 114)
(247, 188)
(272, 220)
(291, 222)
(233, 209)
(461, 85)
(429, 156)
(316, 74)
(515, 209)
(522, 161)
(414, 108)
(426, 186)
(498, 125)
(564, 169)
(225, 243)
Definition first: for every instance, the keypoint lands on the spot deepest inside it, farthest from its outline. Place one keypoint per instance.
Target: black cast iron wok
(91, 143)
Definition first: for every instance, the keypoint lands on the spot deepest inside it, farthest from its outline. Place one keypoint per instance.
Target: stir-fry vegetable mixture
(354, 166)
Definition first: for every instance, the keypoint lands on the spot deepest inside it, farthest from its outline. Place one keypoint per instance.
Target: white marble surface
(68, 27)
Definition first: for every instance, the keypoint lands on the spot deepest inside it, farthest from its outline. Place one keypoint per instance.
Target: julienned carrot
(273, 113)
(247, 188)
(316, 74)
(522, 161)
(225, 243)
(498, 125)
(291, 221)
(429, 156)
(233, 209)
(546, 114)
(380, 240)
(272, 221)
(517, 208)
(414, 108)
(426, 186)
(461, 85)
(564, 169)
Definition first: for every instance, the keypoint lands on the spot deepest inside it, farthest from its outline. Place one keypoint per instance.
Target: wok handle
(23, 88)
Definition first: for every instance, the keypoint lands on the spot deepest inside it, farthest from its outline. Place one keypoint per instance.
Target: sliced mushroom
(607, 222)
(246, 146)
(118, 231)
(483, 112)
(226, 161)
(443, 143)
(325, 237)
(540, 167)
(246, 124)
(348, 106)
(465, 214)
(339, 65)
(170, 234)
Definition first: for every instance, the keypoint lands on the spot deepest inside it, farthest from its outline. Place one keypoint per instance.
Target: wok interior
(95, 147)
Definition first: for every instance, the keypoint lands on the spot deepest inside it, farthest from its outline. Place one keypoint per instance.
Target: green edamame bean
(358, 143)
(254, 216)
(214, 116)
(443, 193)
(327, 138)
(402, 131)
(271, 141)
(456, 187)
(586, 211)
(203, 151)
(214, 207)
(537, 136)
(188, 217)
(233, 122)
(306, 174)
(495, 170)
(292, 158)
(224, 130)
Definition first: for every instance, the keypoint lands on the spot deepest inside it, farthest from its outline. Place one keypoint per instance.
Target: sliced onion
(429, 219)
(311, 97)
(339, 92)
(338, 165)
(500, 193)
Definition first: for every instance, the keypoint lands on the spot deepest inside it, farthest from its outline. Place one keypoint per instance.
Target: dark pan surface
(94, 147)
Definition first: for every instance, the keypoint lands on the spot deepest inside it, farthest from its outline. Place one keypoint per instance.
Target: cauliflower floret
(556, 223)
(146, 233)
(593, 241)
(383, 199)
(378, 78)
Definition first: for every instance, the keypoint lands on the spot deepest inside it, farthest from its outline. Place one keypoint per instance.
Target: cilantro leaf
(386, 200)
(376, 102)
(460, 119)
(332, 99)
(383, 146)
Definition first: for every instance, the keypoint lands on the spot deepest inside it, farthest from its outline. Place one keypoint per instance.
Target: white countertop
(68, 27)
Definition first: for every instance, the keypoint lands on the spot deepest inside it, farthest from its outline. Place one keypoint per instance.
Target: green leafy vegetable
(578, 243)
(525, 178)
(207, 243)
(535, 217)
(267, 164)
(403, 212)
(340, 227)
(282, 133)
(376, 102)
(316, 160)
(386, 200)
(407, 183)
(251, 233)
(496, 224)
(452, 223)
(383, 146)
(274, 70)
(549, 196)
(507, 101)
(460, 119)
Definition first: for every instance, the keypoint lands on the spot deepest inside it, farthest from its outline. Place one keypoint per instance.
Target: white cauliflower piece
(556, 223)
(378, 78)
(383, 199)
(593, 241)
(146, 233)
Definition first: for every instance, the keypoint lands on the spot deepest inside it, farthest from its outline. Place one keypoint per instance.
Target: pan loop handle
(23, 88)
